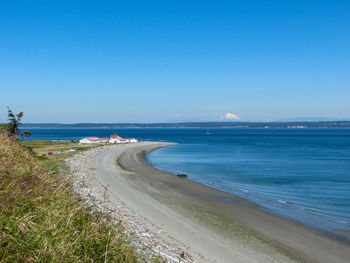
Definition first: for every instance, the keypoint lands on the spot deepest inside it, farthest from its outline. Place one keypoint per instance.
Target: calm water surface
(299, 173)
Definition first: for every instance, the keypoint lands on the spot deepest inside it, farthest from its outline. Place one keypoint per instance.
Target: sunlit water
(299, 173)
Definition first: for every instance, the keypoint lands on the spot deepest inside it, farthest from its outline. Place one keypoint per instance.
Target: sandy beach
(196, 222)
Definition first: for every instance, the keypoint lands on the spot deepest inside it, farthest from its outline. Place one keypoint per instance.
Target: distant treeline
(294, 124)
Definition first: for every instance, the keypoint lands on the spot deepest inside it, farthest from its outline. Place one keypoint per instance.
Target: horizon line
(185, 122)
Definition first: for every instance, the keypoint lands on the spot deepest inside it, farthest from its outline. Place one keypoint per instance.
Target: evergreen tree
(13, 125)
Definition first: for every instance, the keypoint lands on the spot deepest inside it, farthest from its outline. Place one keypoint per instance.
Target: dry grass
(44, 146)
(41, 221)
(53, 163)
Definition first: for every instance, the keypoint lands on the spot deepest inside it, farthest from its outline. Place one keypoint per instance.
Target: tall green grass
(42, 221)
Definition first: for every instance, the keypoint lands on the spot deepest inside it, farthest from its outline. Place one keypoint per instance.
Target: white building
(93, 140)
(115, 138)
(118, 140)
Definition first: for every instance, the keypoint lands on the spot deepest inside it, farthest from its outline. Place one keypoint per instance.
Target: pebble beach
(182, 221)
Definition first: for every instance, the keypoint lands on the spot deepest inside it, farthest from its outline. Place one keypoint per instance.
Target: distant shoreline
(205, 125)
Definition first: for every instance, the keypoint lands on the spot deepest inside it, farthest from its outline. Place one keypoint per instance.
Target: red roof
(115, 136)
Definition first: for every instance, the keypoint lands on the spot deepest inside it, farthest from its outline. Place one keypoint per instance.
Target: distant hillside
(294, 124)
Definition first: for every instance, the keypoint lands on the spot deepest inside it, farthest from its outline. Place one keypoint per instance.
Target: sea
(302, 174)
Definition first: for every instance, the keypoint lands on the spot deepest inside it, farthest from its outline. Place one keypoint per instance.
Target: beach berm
(207, 224)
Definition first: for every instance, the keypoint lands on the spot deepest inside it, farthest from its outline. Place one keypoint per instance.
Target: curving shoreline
(209, 224)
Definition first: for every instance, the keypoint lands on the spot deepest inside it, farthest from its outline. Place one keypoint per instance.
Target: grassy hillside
(44, 146)
(53, 162)
(41, 220)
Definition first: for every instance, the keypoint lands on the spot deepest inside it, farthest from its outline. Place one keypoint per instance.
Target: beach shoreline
(210, 225)
(336, 233)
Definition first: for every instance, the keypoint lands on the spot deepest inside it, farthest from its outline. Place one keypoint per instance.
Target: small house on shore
(115, 138)
(93, 140)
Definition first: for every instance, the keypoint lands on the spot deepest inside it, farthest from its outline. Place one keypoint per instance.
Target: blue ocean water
(303, 174)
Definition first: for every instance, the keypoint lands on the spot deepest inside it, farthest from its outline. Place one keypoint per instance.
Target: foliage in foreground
(14, 123)
(41, 221)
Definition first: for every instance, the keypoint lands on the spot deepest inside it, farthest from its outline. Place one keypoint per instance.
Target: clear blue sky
(155, 61)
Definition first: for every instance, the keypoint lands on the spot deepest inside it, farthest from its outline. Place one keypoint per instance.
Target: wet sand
(209, 224)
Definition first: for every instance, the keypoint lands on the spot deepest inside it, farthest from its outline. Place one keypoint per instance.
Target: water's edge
(310, 219)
